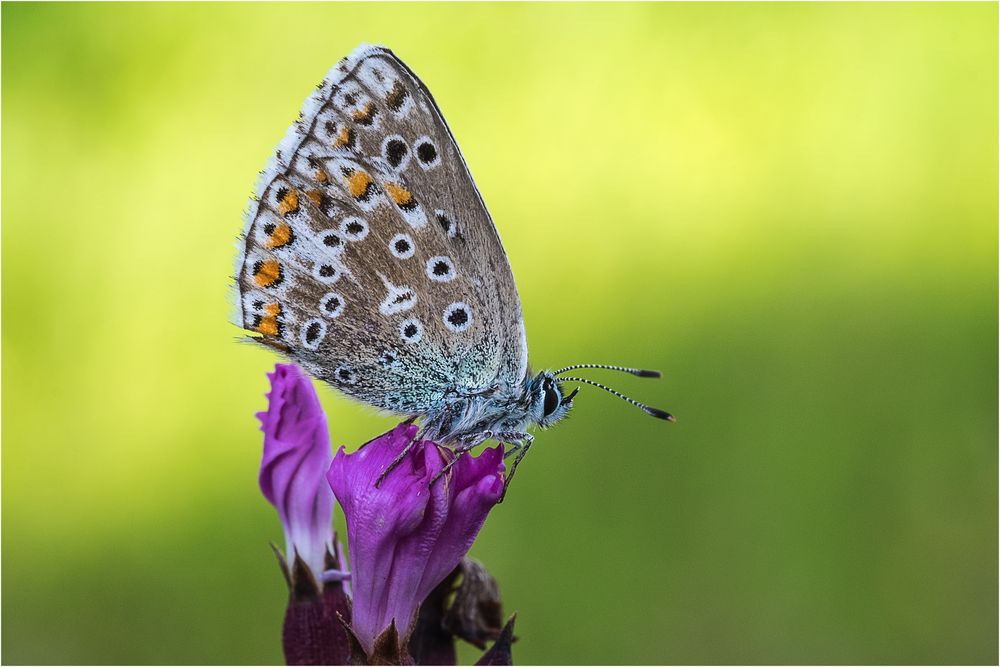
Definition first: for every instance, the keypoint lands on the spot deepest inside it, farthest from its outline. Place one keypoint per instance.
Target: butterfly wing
(369, 256)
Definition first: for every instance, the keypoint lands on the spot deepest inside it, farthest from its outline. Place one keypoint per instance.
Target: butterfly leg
(521, 443)
(458, 451)
(399, 458)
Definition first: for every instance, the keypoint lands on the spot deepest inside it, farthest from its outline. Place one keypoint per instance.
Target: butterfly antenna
(659, 414)
(639, 372)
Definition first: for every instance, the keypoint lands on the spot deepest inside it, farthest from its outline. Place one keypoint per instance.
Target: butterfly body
(370, 259)
(473, 418)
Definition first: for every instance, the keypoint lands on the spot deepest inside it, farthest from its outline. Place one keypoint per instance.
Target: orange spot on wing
(344, 138)
(322, 176)
(268, 326)
(315, 196)
(289, 203)
(281, 236)
(399, 194)
(358, 183)
(266, 273)
(268, 323)
(366, 114)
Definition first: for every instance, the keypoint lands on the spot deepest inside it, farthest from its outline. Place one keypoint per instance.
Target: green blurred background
(789, 209)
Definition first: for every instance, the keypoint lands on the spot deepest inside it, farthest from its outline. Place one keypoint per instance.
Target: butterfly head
(548, 402)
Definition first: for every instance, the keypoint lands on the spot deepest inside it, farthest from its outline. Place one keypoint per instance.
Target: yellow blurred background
(790, 209)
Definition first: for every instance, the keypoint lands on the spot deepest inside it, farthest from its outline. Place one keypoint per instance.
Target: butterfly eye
(551, 398)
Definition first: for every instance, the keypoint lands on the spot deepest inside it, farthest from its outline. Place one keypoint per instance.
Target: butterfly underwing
(369, 259)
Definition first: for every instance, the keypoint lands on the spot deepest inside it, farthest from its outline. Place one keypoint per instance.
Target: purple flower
(296, 454)
(406, 535)
(407, 538)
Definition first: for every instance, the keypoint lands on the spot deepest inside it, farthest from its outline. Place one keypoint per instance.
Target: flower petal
(405, 536)
(475, 486)
(296, 456)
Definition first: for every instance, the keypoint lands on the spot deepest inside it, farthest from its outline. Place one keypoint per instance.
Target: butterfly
(369, 259)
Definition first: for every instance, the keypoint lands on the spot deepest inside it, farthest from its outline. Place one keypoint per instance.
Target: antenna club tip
(647, 373)
(660, 414)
